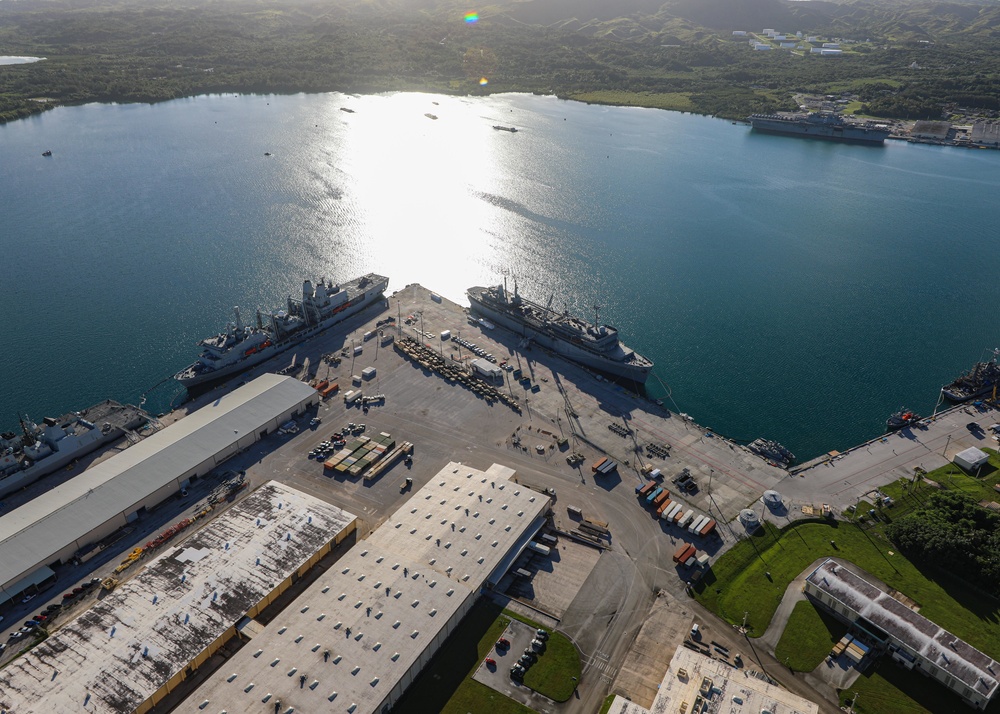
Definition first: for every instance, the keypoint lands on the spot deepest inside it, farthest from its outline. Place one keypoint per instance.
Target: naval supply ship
(819, 125)
(241, 346)
(590, 344)
(39, 449)
(979, 381)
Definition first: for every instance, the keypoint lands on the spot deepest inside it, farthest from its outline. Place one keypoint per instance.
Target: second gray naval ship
(590, 344)
(820, 125)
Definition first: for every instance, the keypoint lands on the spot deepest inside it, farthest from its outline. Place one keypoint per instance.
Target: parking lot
(520, 636)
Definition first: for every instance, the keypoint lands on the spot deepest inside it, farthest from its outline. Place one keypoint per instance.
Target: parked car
(517, 672)
(538, 644)
(28, 598)
(490, 662)
(54, 607)
(40, 618)
(541, 634)
(503, 642)
(3, 646)
(31, 623)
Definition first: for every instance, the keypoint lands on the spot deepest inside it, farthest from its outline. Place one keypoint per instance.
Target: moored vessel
(591, 344)
(36, 450)
(772, 451)
(902, 419)
(240, 346)
(820, 125)
(982, 379)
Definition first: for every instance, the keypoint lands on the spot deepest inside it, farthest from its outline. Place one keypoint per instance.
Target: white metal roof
(32, 534)
(131, 642)
(973, 668)
(383, 604)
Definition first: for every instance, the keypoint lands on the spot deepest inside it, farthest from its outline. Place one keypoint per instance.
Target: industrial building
(695, 683)
(986, 133)
(971, 459)
(358, 637)
(50, 530)
(139, 642)
(485, 368)
(913, 641)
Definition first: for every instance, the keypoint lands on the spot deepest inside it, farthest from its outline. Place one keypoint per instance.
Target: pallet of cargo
(390, 458)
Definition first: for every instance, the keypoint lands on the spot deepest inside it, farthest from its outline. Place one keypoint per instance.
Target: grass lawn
(738, 583)
(808, 637)
(556, 673)
(607, 704)
(891, 689)
(446, 686)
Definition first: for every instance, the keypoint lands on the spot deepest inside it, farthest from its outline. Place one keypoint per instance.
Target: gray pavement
(842, 479)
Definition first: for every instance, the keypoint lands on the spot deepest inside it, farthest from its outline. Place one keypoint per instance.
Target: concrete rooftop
(131, 642)
(357, 631)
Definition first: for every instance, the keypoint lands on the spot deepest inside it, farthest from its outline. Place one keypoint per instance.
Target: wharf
(841, 478)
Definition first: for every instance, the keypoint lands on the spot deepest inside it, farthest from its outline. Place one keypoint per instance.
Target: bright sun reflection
(417, 166)
(472, 17)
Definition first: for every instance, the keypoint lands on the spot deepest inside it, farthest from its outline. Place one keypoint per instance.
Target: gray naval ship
(820, 125)
(241, 346)
(36, 450)
(590, 344)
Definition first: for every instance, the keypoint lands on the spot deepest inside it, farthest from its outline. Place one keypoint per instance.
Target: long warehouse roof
(350, 638)
(32, 534)
(130, 643)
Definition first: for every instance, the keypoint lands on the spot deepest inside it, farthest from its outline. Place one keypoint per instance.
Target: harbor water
(792, 289)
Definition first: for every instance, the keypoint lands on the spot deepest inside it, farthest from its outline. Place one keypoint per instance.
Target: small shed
(971, 459)
(368, 373)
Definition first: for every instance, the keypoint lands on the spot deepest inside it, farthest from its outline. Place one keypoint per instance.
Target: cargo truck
(539, 548)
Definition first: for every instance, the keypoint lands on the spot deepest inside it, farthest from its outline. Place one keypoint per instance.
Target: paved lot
(446, 422)
(556, 579)
(841, 480)
(498, 678)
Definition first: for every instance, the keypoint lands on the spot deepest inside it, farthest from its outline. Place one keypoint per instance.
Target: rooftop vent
(361, 578)
(413, 635)
(432, 561)
(492, 521)
(326, 589)
(395, 566)
(298, 639)
(336, 660)
(258, 653)
(415, 603)
(305, 609)
(433, 613)
(531, 500)
(450, 592)
(248, 687)
(345, 571)
(333, 695)
(478, 536)
(395, 625)
(275, 662)
(433, 583)
(342, 596)
(380, 559)
(465, 552)
(520, 513)
(377, 646)
(395, 656)
(374, 681)
(355, 670)
(231, 677)
(364, 553)
(292, 671)
(494, 544)
(480, 561)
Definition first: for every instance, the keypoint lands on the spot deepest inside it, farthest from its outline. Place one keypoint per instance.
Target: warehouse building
(911, 639)
(138, 643)
(49, 530)
(356, 639)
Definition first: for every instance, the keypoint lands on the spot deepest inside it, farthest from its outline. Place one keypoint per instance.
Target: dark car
(32, 623)
(503, 642)
(41, 618)
(68, 596)
(973, 426)
(77, 591)
(54, 607)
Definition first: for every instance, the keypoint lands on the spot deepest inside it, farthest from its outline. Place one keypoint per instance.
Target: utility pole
(946, 443)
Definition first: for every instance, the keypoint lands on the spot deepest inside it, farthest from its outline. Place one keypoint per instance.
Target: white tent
(971, 459)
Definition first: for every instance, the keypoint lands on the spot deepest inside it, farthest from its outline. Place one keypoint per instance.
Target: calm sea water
(792, 289)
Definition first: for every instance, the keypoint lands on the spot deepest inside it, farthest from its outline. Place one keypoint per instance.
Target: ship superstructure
(820, 125)
(36, 450)
(591, 344)
(979, 381)
(240, 346)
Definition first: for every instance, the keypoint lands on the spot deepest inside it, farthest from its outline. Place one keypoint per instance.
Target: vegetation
(446, 684)
(903, 60)
(888, 688)
(808, 637)
(954, 531)
(738, 582)
(607, 704)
